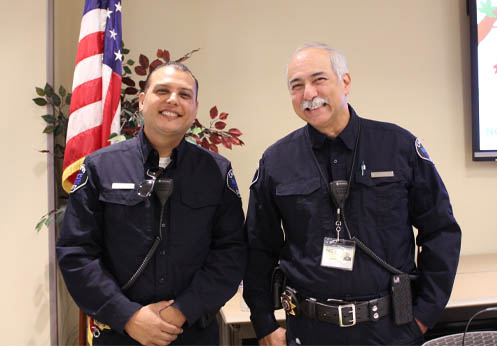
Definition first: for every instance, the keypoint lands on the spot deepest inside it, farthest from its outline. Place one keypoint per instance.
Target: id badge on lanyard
(338, 254)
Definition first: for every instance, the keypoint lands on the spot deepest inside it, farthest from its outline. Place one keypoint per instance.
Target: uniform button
(163, 225)
(162, 252)
(375, 308)
(161, 280)
(335, 161)
(376, 315)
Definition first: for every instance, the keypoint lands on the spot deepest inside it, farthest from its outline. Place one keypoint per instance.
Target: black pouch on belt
(278, 283)
(401, 298)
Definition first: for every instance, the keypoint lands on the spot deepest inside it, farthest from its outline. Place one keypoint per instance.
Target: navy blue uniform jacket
(107, 232)
(290, 194)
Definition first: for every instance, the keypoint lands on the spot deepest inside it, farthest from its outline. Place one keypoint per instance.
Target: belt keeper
(311, 304)
(373, 309)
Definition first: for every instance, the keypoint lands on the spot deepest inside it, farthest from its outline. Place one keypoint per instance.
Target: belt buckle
(340, 316)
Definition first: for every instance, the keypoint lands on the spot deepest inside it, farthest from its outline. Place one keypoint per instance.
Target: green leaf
(40, 101)
(48, 129)
(49, 220)
(196, 130)
(68, 99)
(49, 118)
(58, 130)
(56, 100)
(62, 91)
(40, 224)
(487, 9)
(48, 90)
(191, 140)
(126, 69)
(59, 214)
(130, 62)
(125, 51)
(40, 91)
(117, 138)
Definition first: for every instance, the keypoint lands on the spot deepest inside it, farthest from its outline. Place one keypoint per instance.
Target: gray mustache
(314, 103)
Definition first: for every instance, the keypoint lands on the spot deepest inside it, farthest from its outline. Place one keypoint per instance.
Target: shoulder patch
(256, 177)
(422, 153)
(81, 179)
(231, 182)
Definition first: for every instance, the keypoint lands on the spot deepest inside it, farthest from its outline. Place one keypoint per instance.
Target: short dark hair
(176, 65)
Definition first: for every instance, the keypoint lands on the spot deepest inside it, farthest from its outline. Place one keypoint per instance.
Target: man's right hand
(147, 327)
(276, 338)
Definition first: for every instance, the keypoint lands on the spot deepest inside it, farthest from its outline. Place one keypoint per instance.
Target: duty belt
(343, 313)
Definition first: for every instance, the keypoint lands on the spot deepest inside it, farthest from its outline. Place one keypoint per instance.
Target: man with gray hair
(330, 218)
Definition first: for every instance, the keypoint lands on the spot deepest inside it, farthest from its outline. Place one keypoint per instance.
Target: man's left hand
(421, 326)
(173, 315)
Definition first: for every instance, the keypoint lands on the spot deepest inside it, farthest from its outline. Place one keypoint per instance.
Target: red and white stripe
(95, 102)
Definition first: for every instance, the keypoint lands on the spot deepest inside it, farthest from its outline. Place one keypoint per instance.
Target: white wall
(24, 254)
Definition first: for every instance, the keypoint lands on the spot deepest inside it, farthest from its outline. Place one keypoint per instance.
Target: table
(475, 288)
(234, 321)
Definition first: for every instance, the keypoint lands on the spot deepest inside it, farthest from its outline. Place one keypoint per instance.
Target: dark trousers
(302, 330)
(191, 336)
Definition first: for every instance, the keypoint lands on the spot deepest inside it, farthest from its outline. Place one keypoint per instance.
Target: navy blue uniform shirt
(107, 232)
(290, 213)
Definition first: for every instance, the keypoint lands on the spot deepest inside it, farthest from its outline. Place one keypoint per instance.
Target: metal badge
(288, 304)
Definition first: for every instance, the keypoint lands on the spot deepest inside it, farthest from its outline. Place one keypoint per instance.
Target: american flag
(95, 104)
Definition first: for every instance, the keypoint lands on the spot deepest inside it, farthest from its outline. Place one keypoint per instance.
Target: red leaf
(197, 123)
(143, 61)
(213, 112)
(235, 141)
(213, 148)
(130, 91)
(166, 57)
(205, 143)
(235, 132)
(214, 138)
(223, 116)
(140, 70)
(226, 142)
(220, 125)
(160, 53)
(142, 84)
(154, 64)
(128, 81)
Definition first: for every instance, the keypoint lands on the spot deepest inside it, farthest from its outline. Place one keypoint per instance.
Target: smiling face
(169, 105)
(310, 77)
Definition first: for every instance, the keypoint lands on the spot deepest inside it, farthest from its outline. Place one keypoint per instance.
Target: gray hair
(337, 59)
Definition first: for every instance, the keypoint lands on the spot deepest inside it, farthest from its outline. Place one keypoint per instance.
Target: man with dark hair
(333, 204)
(152, 242)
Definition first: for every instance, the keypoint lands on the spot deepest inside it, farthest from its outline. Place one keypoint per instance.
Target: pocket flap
(367, 180)
(300, 187)
(124, 197)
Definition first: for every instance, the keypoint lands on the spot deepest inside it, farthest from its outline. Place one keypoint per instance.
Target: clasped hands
(156, 324)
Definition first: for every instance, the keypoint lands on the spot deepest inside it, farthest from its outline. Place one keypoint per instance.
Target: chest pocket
(127, 215)
(383, 198)
(298, 203)
(193, 218)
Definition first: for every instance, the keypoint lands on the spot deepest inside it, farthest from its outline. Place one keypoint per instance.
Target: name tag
(383, 174)
(123, 186)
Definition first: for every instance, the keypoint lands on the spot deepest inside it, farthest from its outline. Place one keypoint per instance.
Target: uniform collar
(151, 156)
(348, 134)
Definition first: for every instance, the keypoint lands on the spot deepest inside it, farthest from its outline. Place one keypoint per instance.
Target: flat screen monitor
(483, 40)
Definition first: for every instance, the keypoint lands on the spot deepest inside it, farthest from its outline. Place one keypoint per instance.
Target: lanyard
(349, 183)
